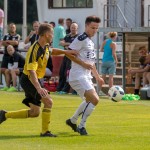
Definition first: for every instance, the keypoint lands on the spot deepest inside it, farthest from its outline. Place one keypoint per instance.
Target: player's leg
(77, 86)
(92, 100)
(85, 89)
(46, 114)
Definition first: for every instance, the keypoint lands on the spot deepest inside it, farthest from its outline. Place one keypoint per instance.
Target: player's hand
(43, 92)
(100, 81)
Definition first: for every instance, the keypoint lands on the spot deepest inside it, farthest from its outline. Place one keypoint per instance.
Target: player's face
(49, 36)
(91, 28)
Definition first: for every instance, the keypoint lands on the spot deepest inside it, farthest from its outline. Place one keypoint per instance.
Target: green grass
(112, 126)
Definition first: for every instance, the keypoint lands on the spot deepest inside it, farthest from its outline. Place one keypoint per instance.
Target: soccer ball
(116, 93)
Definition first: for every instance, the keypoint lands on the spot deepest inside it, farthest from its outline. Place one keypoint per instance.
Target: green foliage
(112, 126)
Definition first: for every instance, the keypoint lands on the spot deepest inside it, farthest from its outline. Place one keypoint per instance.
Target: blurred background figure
(59, 34)
(1, 24)
(63, 85)
(33, 35)
(53, 24)
(15, 68)
(109, 60)
(68, 25)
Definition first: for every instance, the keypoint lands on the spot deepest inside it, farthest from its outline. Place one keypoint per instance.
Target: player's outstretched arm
(56, 51)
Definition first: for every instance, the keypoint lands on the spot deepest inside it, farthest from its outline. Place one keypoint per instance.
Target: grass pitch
(112, 126)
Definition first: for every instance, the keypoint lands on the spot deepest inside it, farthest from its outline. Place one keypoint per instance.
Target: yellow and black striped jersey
(36, 59)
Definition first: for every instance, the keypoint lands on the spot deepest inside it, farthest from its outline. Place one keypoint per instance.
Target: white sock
(87, 112)
(78, 112)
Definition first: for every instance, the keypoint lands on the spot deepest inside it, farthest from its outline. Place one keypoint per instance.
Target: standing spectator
(59, 34)
(68, 24)
(109, 60)
(15, 67)
(1, 24)
(80, 78)
(33, 35)
(63, 86)
(12, 38)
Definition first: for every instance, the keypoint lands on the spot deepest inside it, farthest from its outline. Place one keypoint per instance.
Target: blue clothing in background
(108, 52)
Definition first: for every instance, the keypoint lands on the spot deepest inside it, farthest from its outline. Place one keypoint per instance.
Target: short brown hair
(142, 47)
(90, 19)
(44, 27)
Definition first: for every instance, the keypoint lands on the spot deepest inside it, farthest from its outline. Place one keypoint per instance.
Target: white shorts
(82, 85)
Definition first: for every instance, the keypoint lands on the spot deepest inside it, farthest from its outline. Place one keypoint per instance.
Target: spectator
(59, 34)
(139, 75)
(12, 38)
(14, 69)
(143, 70)
(1, 24)
(33, 35)
(68, 24)
(109, 60)
(63, 86)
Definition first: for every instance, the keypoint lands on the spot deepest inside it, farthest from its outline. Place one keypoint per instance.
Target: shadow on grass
(8, 137)
(59, 135)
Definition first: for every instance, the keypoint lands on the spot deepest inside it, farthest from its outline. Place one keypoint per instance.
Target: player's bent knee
(47, 102)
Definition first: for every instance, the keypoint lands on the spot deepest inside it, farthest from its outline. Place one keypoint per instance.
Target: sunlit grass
(112, 126)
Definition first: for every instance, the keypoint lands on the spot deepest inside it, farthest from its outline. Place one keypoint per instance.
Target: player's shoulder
(82, 37)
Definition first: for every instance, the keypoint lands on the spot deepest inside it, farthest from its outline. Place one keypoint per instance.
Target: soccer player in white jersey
(80, 77)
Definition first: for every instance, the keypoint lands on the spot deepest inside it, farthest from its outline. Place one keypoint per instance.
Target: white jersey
(85, 46)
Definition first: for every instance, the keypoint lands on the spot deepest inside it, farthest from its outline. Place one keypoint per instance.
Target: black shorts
(5, 61)
(32, 96)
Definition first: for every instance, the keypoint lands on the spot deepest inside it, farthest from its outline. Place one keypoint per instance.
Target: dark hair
(90, 19)
(142, 60)
(69, 19)
(44, 27)
(35, 22)
(61, 20)
(52, 23)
